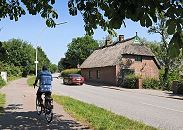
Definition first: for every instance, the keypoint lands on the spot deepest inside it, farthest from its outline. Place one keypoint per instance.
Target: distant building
(109, 64)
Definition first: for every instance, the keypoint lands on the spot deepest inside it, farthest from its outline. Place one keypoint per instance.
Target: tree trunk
(165, 75)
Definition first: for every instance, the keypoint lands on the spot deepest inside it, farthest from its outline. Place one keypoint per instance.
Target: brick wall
(146, 68)
(106, 75)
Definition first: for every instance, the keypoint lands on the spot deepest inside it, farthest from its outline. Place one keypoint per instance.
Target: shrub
(172, 76)
(130, 81)
(25, 72)
(10, 69)
(70, 71)
(2, 82)
(151, 83)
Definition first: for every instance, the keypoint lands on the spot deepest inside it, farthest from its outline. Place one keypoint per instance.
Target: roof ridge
(114, 43)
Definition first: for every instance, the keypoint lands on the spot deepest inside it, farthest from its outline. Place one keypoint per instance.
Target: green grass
(2, 102)
(31, 80)
(11, 78)
(98, 118)
(2, 83)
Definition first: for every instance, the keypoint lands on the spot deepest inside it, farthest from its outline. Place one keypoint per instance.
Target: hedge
(151, 83)
(130, 81)
(70, 71)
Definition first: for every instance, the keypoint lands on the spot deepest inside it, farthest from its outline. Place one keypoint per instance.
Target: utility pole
(36, 61)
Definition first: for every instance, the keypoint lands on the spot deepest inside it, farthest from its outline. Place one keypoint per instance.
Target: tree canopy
(14, 9)
(78, 50)
(18, 53)
(107, 14)
(111, 14)
(20, 56)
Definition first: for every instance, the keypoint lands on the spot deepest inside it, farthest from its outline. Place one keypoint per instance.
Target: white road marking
(162, 107)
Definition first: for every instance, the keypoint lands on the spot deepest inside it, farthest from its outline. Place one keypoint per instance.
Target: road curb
(120, 89)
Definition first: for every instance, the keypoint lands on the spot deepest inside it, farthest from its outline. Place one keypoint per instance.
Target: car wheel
(81, 83)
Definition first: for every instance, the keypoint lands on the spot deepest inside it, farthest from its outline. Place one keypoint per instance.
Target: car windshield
(75, 75)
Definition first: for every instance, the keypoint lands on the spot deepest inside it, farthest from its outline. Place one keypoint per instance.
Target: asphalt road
(160, 112)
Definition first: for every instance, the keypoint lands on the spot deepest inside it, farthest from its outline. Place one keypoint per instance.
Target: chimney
(121, 38)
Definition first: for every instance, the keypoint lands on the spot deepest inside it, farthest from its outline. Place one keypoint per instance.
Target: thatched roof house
(125, 54)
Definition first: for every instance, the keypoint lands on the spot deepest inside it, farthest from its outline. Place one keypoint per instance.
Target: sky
(54, 41)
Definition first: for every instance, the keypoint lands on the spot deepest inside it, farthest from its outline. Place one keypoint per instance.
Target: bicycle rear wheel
(48, 112)
(38, 107)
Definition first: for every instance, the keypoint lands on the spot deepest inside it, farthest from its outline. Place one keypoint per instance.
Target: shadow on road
(97, 84)
(174, 96)
(14, 107)
(30, 120)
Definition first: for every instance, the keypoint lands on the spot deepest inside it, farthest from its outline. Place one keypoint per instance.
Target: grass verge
(2, 102)
(31, 80)
(11, 78)
(98, 118)
(2, 83)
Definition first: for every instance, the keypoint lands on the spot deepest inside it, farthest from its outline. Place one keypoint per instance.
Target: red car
(73, 79)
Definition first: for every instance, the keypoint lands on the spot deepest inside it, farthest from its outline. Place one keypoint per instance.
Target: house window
(98, 74)
(138, 58)
(89, 74)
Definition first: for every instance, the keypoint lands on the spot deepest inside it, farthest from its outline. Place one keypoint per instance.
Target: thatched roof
(109, 56)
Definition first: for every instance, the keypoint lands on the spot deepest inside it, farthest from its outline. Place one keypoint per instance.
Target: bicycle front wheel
(38, 107)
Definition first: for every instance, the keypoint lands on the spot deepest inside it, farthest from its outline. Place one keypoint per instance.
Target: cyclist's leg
(39, 94)
(48, 98)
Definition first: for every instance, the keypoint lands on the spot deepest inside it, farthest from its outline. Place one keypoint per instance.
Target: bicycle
(46, 107)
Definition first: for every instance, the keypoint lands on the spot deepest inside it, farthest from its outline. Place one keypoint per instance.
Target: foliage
(25, 73)
(2, 82)
(62, 64)
(130, 81)
(18, 53)
(177, 87)
(79, 49)
(174, 64)
(13, 78)
(174, 75)
(42, 58)
(31, 80)
(150, 83)
(170, 62)
(19, 58)
(98, 118)
(110, 14)
(2, 102)
(53, 68)
(70, 71)
(16, 8)
(2, 51)
(10, 69)
(107, 14)
(155, 48)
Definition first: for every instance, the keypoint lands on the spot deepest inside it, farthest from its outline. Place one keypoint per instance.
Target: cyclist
(44, 77)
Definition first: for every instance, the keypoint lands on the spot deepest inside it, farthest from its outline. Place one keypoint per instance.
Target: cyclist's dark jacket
(45, 79)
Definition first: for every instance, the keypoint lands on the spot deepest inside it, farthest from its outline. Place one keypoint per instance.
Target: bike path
(20, 112)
